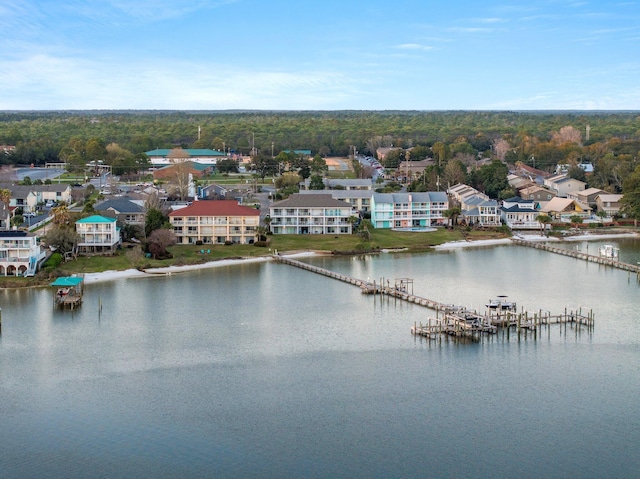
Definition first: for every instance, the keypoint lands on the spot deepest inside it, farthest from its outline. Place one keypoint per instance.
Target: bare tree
(181, 167)
(567, 134)
(158, 242)
(500, 148)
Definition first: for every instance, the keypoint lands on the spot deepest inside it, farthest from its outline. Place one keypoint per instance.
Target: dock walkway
(374, 287)
(579, 255)
(456, 321)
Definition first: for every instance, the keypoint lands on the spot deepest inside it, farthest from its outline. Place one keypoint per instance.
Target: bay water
(266, 370)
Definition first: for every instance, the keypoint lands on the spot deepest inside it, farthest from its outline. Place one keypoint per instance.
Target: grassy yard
(131, 256)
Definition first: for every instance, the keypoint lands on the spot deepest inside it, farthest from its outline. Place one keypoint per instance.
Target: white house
(517, 213)
(20, 253)
(98, 235)
(311, 214)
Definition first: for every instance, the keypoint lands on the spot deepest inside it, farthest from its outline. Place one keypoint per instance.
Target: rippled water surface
(265, 370)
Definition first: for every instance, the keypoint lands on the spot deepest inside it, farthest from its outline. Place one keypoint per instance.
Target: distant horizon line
(254, 110)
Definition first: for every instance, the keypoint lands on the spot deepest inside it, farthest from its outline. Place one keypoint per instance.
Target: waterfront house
(518, 213)
(98, 235)
(586, 197)
(609, 203)
(408, 210)
(20, 253)
(564, 208)
(311, 214)
(478, 210)
(215, 222)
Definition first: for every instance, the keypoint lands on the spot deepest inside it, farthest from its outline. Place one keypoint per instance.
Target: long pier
(456, 321)
(398, 290)
(613, 262)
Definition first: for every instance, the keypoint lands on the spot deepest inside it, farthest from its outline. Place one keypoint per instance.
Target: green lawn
(131, 257)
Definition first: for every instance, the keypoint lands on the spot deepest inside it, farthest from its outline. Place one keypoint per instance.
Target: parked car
(49, 204)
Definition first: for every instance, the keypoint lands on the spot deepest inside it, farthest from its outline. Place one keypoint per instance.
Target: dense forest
(610, 141)
(40, 136)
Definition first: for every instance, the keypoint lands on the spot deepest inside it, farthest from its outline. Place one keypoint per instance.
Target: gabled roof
(120, 205)
(609, 197)
(96, 219)
(589, 192)
(215, 208)
(189, 151)
(561, 204)
(311, 201)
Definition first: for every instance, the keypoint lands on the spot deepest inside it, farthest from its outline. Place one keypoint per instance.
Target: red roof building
(215, 222)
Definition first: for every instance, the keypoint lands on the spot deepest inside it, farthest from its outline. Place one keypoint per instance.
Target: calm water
(264, 370)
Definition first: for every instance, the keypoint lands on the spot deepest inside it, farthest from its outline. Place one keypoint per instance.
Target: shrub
(261, 244)
(53, 262)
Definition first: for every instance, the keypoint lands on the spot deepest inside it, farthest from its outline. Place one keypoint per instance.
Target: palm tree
(544, 220)
(267, 223)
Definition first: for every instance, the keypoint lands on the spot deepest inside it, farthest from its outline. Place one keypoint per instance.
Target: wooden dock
(457, 321)
(613, 262)
(473, 325)
(401, 289)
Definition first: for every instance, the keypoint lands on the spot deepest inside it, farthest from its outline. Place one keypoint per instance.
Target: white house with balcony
(520, 214)
(20, 253)
(408, 210)
(98, 235)
(311, 214)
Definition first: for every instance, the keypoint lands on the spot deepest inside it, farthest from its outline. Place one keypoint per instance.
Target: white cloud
(414, 46)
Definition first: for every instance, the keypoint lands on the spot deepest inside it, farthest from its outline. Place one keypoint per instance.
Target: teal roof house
(98, 235)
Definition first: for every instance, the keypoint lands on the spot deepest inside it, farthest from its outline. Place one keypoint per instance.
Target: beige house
(215, 222)
(609, 203)
(586, 197)
(562, 185)
(564, 208)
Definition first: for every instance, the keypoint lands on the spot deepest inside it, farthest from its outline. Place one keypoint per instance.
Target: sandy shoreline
(90, 278)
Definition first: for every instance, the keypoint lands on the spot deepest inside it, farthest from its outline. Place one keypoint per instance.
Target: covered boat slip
(69, 291)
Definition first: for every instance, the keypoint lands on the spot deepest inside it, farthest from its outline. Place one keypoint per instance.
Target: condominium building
(311, 214)
(215, 222)
(408, 210)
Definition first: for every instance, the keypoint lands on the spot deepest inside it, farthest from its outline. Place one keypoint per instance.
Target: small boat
(608, 251)
(501, 304)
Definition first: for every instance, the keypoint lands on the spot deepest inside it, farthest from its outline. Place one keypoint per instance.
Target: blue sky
(319, 55)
